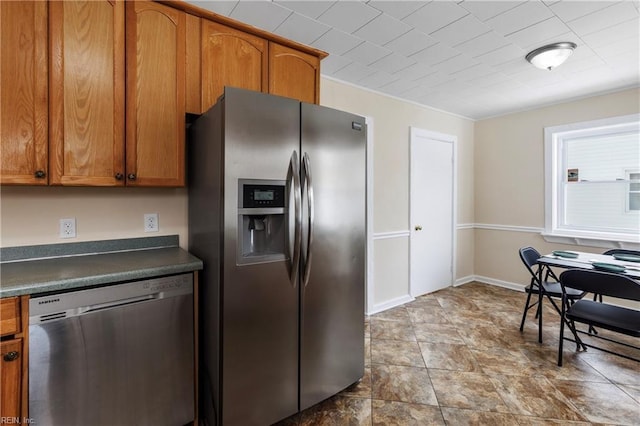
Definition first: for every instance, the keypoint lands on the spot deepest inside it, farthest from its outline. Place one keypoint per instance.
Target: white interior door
(432, 211)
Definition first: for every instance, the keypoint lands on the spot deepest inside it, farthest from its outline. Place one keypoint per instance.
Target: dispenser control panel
(262, 195)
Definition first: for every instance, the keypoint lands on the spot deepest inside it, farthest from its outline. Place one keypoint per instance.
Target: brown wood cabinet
(95, 92)
(293, 73)
(156, 49)
(14, 357)
(77, 135)
(87, 93)
(24, 100)
(231, 57)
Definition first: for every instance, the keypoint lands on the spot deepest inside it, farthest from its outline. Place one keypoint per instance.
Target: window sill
(593, 241)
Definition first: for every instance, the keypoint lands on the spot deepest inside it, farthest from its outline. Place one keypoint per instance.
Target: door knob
(418, 228)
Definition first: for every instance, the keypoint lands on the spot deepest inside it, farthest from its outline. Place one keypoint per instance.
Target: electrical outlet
(68, 228)
(151, 222)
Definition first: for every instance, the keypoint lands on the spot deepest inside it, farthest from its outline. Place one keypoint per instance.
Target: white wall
(509, 181)
(30, 215)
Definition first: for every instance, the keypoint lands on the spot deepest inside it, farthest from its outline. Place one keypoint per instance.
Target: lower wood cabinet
(11, 376)
(14, 329)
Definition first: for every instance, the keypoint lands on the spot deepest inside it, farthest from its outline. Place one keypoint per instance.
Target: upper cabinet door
(294, 74)
(87, 93)
(231, 58)
(24, 101)
(156, 44)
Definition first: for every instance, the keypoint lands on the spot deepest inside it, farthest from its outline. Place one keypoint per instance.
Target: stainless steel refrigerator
(277, 212)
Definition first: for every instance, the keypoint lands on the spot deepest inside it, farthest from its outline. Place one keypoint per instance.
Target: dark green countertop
(35, 273)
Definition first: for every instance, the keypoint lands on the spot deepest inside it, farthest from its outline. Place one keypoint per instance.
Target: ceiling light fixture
(550, 56)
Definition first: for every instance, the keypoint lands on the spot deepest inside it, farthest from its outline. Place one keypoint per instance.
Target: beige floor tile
(437, 333)
(459, 389)
(392, 330)
(534, 395)
(447, 356)
(361, 389)
(396, 352)
(339, 410)
(405, 384)
(460, 417)
(393, 413)
(431, 315)
(601, 402)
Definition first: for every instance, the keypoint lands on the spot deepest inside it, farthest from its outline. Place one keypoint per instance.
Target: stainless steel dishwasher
(116, 355)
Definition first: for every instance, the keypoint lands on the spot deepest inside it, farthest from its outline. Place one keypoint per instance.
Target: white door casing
(432, 211)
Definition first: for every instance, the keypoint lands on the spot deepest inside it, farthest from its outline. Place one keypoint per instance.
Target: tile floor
(457, 357)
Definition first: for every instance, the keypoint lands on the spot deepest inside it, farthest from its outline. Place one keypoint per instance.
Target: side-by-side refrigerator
(277, 213)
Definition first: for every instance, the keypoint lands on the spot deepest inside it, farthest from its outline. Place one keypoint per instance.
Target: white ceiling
(461, 56)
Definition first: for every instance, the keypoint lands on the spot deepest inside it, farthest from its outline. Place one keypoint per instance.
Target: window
(592, 180)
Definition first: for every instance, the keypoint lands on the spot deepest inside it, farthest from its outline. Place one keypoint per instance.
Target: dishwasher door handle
(116, 303)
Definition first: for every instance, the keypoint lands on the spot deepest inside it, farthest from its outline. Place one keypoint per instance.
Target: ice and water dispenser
(262, 225)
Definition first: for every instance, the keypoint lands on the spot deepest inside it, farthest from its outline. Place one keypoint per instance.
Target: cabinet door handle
(40, 174)
(119, 176)
(11, 356)
(131, 176)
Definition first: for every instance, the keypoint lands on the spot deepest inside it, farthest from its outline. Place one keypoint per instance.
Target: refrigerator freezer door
(332, 302)
(259, 302)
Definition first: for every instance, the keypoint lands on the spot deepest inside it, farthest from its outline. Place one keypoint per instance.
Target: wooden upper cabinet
(87, 93)
(294, 74)
(231, 58)
(24, 100)
(156, 44)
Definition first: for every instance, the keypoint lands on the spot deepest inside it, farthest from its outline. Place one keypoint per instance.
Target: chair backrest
(622, 251)
(605, 283)
(530, 257)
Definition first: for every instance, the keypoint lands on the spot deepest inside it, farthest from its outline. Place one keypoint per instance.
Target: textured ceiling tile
(482, 44)
(415, 71)
(519, 17)
(537, 33)
(354, 72)
(570, 10)
(367, 53)
(219, 7)
(261, 14)
(435, 54)
(628, 29)
(302, 29)
(393, 63)
(336, 42)
(411, 42)
(348, 15)
(484, 10)
(397, 9)
(464, 29)
(605, 18)
(382, 29)
(333, 63)
(377, 79)
(312, 9)
(435, 15)
(502, 55)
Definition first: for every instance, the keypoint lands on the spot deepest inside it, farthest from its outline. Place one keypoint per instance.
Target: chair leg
(524, 314)
(561, 339)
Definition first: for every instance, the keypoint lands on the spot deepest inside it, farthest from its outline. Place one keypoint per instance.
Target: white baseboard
(464, 280)
(459, 282)
(499, 283)
(390, 304)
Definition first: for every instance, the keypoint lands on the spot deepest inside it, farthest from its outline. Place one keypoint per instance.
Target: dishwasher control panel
(64, 305)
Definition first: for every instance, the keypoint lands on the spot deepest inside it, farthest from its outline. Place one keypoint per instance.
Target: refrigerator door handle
(293, 176)
(306, 172)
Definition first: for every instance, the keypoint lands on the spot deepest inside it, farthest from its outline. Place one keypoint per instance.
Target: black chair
(622, 251)
(602, 315)
(550, 289)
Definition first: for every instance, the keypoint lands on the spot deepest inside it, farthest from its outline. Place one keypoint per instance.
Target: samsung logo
(44, 302)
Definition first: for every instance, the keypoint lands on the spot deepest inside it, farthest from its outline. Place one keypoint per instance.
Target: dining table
(565, 259)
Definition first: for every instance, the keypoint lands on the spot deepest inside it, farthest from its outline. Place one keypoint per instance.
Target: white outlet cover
(151, 222)
(68, 228)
